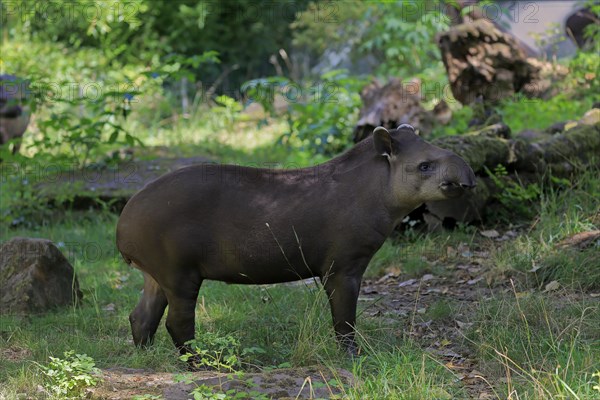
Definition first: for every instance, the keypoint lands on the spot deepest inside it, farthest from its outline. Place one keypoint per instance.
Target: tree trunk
(482, 60)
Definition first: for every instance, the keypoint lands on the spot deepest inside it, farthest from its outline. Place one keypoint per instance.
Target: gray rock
(35, 277)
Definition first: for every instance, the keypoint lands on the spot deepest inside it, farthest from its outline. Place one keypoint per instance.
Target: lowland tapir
(261, 226)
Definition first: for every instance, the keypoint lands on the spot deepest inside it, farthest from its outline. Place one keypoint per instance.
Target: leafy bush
(83, 125)
(69, 376)
(324, 125)
(320, 115)
(213, 351)
(136, 31)
(403, 39)
(583, 75)
(398, 35)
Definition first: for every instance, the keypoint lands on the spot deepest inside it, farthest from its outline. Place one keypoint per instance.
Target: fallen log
(560, 156)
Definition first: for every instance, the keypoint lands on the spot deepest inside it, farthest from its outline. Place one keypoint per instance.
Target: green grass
(541, 347)
(291, 323)
(546, 345)
(521, 113)
(413, 254)
(563, 213)
(534, 114)
(403, 373)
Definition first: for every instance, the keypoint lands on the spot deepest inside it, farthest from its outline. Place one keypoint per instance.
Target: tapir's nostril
(468, 186)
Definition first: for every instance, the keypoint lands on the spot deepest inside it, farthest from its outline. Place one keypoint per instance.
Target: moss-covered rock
(35, 277)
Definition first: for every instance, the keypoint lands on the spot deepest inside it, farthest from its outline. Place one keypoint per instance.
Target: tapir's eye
(425, 167)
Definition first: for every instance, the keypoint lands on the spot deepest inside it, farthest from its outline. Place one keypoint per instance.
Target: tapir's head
(421, 172)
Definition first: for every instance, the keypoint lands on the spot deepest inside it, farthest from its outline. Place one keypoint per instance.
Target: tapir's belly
(236, 263)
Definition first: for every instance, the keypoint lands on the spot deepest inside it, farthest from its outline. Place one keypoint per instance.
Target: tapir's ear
(382, 141)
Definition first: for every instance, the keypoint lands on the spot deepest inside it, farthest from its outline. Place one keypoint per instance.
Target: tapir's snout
(459, 177)
(470, 181)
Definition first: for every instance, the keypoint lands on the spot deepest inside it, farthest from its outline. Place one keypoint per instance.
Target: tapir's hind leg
(182, 312)
(146, 316)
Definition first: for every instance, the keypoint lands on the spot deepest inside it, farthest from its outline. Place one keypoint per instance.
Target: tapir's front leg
(342, 291)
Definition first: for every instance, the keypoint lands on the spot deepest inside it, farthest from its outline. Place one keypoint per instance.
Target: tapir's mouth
(454, 189)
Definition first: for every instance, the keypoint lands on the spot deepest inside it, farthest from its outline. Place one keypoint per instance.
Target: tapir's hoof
(349, 346)
(353, 352)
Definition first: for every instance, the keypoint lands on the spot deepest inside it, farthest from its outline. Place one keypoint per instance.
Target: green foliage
(83, 125)
(200, 392)
(108, 24)
(583, 74)
(326, 25)
(592, 31)
(550, 38)
(324, 123)
(69, 376)
(399, 35)
(458, 125)
(204, 392)
(226, 114)
(141, 30)
(403, 39)
(211, 350)
(517, 198)
(320, 115)
(564, 212)
(522, 114)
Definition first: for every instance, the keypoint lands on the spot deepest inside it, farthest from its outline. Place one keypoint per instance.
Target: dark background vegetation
(258, 83)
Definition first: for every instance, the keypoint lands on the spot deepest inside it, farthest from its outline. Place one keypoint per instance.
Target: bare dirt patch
(297, 383)
(15, 353)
